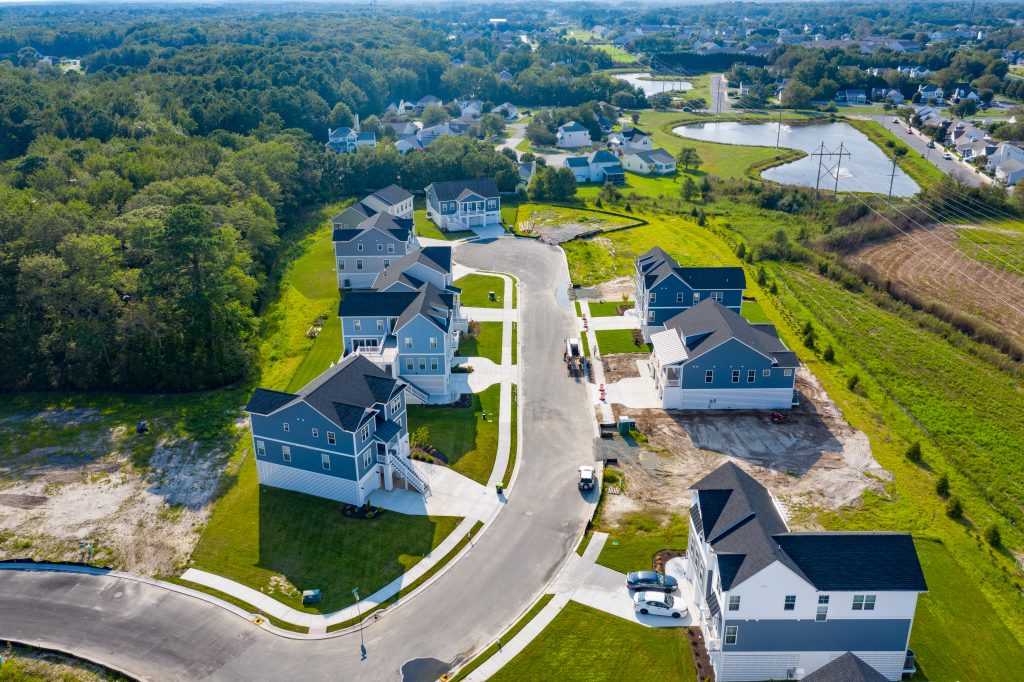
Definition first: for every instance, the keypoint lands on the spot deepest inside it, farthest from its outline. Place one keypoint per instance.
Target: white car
(947, 156)
(895, 120)
(588, 478)
(657, 604)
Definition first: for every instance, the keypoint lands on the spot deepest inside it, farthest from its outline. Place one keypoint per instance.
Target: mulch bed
(363, 512)
(429, 453)
(662, 557)
(701, 660)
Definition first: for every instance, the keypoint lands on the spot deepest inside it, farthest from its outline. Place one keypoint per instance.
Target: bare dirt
(618, 367)
(143, 517)
(612, 290)
(814, 462)
(930, 263)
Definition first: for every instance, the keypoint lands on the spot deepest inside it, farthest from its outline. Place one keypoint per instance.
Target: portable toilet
(626, 424)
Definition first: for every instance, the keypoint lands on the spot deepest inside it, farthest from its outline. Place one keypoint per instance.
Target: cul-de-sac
(424, 342)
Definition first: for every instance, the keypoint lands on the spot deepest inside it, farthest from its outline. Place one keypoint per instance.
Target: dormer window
(364, 432)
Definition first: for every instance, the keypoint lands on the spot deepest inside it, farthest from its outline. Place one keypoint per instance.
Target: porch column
(389, 477)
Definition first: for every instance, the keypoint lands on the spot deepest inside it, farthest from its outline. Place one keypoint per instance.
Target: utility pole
(892, 175)
(830, 170)
(835, 195)
(778, 132)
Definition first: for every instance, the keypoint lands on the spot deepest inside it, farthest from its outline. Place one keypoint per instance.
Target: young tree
(340, 117)
(688, 157)
(434, 114)
(689, 189)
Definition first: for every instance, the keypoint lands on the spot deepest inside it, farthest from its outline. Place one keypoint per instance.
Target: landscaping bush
(828, 355)
(992, 536)
(942, 486)
(954, 509)
(914, 452)
(853, 382)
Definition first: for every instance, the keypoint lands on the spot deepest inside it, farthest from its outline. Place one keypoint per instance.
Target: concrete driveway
(153, 633)
(919, 145)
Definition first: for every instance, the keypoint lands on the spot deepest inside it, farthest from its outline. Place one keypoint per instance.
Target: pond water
(866, 169)
(652, 87)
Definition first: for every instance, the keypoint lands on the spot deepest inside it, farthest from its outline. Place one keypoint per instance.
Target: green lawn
(475, 290)
(326, 348)
(632, 545)
(505, 638)
(536, 219)
(618, 55)
(753, 312)
(606, 308)
(281, 542)
(582, 643)
(610, 341)
(469, 441)
(426, 228)
(486, 345)
(1002, 247)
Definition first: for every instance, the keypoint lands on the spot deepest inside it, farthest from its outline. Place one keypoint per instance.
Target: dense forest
(141, 200)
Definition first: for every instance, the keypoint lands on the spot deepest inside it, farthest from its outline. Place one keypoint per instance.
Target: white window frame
(434, 364)
(359, 247)
(331, 439)
(732, 634)
(359, 264)
(864, 602)
(680, 297)
(316, 432)
(341, 264)
(709, 376)
(433, 342)
(387, 262)
(364, 432)
(696, 297)
(357, 325)
(650, 316)
(751, 376)
(787, 372)
(408, 343)
(821, 615)
(652, 297)
(736, 376)
(789, 602)
(380, 247)
(367, 458)
(734, 602)
(716, 296)
(286, 453)
(395, 405)
(286, 427)
(422, 364)
(380, 325)
(325, 461)
(261, 449)
(766, 372)
(391, 248)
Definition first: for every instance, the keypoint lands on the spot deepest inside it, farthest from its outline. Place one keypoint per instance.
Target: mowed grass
(282, 542)
(505, 638)
(752, 312)
(607, 308)
(596, 260)
(1002, 246)
(618, 55)
(326, 349)
(632, 544)
(425, 227)
(611, 341)
(476, 289)
(487, 344)
(467, 439)
(582, 643)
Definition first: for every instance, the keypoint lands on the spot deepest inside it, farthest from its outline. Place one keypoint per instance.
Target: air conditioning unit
(795, 674)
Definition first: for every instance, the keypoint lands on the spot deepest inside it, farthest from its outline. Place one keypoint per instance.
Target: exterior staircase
(414, 394)
(408, 472)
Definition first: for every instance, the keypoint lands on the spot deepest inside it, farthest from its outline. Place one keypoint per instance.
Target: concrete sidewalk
(627, 321)
(595, 357)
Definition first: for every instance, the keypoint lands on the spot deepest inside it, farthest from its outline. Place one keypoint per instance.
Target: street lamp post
(362, 643)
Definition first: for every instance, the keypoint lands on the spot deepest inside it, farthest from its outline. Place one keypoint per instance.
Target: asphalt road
(719, 105)
(919, 145)
(153, 633)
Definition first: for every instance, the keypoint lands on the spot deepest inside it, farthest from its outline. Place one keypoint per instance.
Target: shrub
(762, 276)
(954, 509)
(828, 355)
(942, 486)
(992, 536)
(774, 288)
(853, 382)
(914, 452)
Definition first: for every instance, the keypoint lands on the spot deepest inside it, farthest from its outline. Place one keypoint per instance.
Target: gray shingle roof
(654, 156)
(399, 228)
(392, 195)
(264, 401)
(846, 668)
(577, 162)
(572, 127)
(602, 156)
(453, 189)
(709, 324)
(437, 258)
(856, 560)
(656, 265)
(353, 215)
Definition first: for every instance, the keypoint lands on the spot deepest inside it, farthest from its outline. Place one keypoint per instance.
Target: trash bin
(626, 424)
(310, 597)
(491, 296)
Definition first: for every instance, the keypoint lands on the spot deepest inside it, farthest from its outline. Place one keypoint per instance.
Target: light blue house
(363, 252)
(391, 199)
(342, 436)
(774, 604)
(464, 204)
(710, 358)
(664, 289)
(409, 323)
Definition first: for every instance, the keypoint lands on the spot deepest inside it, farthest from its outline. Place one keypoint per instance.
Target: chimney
(355, 125)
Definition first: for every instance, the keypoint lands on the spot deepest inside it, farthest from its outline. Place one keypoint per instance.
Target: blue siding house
(710, 358)
(342, 436)
(363, 252)
(464, 204)
(664, 289)
(774, 604)
(409, 323)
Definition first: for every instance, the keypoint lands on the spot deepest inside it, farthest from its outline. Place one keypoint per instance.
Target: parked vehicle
(657, 604)
(895, 120)
(931, 144)
(651, 581)
(947, 156)
(588, 478)
(909, 131)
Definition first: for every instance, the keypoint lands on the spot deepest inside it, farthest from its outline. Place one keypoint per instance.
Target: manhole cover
(424, 670)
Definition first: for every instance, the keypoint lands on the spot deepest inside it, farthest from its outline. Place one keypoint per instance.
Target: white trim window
(822, 614)
(787, 372)
(680, 297)
(735, 376)
(423, 364)
(408, 365)
(751, 376)
(261, 449)
(652, 297)
(357, 325)
(650, 316)
(408, 343)
(395, 405)
(331, 439)
(367, 458)
(285, 427)
(316, 433)
(359, 247)
(732, 634)
(433, 342)
(696, 297)
(433, 364)
(391, 248)
(863, 602)
(286, 453)
(359, 264)
(380, 247)
(341, 264)
(709, 376)
(790, 603)
(380, 325)
(734, 602)
(766, 372)
(364, 432)
(716, 296)
(325, 461)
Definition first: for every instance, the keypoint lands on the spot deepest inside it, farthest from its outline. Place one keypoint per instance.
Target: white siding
(751, 667)
(309, 482)
(727, 398)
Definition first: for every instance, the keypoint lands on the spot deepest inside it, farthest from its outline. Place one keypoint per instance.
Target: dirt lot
(618, 367)
(930, 262)
(139, 500)
(612, 290)
(561, 225)
(816, 461)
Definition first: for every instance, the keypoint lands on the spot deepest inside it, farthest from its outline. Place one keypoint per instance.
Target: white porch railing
(408, 472)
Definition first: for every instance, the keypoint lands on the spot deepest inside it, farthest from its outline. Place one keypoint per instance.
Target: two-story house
(464, 204)
(631, 140)
(409, 323)
(655, 162)
(710, 358)
(391, 199)
(344, 140)
(775, 605)
(600, 166)
(361, 253)
(572, 135)
(342, 436)
(664, 289)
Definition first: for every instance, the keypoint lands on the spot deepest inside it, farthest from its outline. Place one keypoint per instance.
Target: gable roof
(392, 195)
(633, 133)
(656, 265)
(353, 215)
(577, 162)
(710, 324)
(436, 258)
(602, 156)
(846, 668)
(453, 189)
(658, 155)
(572, 127)
(399, 228)
(856, 560)
(345, 394)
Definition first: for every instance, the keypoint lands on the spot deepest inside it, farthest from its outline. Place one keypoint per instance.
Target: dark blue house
(342, 436)
(710, 358)
(664, 289)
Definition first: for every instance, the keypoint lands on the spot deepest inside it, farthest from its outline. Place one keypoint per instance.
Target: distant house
(508, 111)
(464, 204)
(975, 151)
(655, 162)
(400, 107)
(464, 124)
(773, 604)
(342, 436)
(345, 140)
(631, 139)
(428, 135)
(572, 135)
(600, 166)
(708, 357)
(1007, 155)
(424, 102)
(526, 172)
(913, 71)
(504, 75)
(930, 92)
(409, 322)
(408, 143)
(471, 107)
(606, 124)
(664, 289)
(893, 95)
(851, 96)
(1010, 171)
(963, 91)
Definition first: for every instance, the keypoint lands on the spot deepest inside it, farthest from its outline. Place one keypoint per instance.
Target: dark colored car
(651, 581)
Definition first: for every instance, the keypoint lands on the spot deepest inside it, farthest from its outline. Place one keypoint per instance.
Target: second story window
(395, 405)
(261, 449)
(391, 248)
(734, 603)
(316, 433)
(433, 342)
(652, 297)
(359, 264)
(325, 461)
(286, 453)
(359, 247)
(331, 439)
(341, 263)
(716, 296)
(679, 297)
(357, 325)
(286, 427)
(863, 602)
(709, 376)
(735, 376)
(766, 372)
(433, 364)
(751, 375)
(732, 633)
(380, 247)
(364, 432)
(408, 343)
(380, 325)
(790, 603)
(696, 298)
(822, 614)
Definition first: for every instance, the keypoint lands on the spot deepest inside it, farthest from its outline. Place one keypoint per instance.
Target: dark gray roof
(846, 668)
(453, 189)
(630, 133)
(856, 560)
(437, 258)
(346, 393)
(393, 195)
(602, 156)
(658, 155)
(572, 127)
(433, 304)
(739, 522)
(367, 303)
(386, 430)
(709, 324)
(656, 265)
(399, 228)
(353, 215)
(577, 162)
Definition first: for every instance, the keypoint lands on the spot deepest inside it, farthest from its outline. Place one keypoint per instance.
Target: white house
(507, 110)
(600, 166)
(655, 162)
(776, 605)
(572, 135)
(1005, 152)
(930, 92)
(1010, 171)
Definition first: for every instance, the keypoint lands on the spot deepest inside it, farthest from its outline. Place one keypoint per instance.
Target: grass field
(475, 289)
(610, 341)
(281, 542)
(468, 440)
(505, 637)
(582, 643)
(486, 345)
(607, 308)
(619, 55)
(1002, 247)
(536, 218)
(753, 312)
(632, 545)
